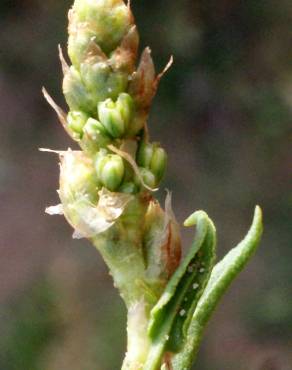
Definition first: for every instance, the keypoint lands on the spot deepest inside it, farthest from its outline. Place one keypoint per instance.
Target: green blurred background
(224, 114)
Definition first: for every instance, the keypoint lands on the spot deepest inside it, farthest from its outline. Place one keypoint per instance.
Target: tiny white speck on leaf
(182, 312)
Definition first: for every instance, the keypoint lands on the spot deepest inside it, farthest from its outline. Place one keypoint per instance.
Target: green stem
(126, 266)
(138, 341)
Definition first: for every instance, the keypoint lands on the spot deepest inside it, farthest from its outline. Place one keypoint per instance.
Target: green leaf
(171, 316)
(221, 277)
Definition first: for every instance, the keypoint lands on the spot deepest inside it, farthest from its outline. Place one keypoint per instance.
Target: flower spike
(107, 191)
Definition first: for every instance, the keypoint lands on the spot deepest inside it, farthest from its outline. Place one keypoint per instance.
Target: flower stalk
(107, 191)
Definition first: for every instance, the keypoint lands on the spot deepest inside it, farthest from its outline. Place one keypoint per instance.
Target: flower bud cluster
(108, 99)
(105, 187)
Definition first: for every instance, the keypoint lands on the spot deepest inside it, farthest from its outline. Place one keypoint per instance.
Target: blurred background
(223, 112)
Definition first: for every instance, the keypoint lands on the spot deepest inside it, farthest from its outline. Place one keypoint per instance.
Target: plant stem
(138, 340)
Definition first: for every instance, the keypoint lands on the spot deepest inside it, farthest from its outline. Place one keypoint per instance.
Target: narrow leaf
(221, 277)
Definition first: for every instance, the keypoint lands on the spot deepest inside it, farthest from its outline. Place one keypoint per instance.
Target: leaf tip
(192, 220)
(258, 218)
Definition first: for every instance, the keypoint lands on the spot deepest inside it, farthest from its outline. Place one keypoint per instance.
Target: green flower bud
(147, 176)
(125, 105)
(144, 154)
(92, 126)
(95, 136)
(75, 93)
(111, 118)
(116, 116)
(152, 157)
(110, 170)
(76, 121)
(158, 163)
